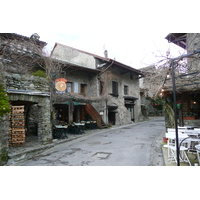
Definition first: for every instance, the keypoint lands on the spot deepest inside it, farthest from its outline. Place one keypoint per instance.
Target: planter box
(189, 118)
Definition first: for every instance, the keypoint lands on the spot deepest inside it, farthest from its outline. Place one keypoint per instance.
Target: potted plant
(189, 115)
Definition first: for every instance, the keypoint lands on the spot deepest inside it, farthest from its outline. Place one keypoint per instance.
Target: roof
(101, 58)
(19, 37)
(94, 55)
(77, 66)
(184, 82)
(177, 38)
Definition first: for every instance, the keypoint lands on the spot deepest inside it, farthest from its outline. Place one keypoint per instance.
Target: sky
(132, 32)
(135, 49)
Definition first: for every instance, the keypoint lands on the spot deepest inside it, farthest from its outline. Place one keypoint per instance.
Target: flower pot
(165, 140)
(179, 105)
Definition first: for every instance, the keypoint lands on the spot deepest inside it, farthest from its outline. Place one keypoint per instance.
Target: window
(76, 87)
(115, 88)
(69, 87)
(83, 88)
(131, 76)
(125, 90)
(101, 88)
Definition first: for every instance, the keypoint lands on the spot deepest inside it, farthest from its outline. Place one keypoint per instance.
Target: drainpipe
(174, 98)
(106, 68)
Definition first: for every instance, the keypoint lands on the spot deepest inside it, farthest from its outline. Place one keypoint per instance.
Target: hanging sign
(60, 85)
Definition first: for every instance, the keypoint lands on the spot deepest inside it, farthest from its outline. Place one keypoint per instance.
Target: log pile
(16, 129)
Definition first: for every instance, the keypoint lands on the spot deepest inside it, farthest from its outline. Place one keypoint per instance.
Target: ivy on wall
(4, 102)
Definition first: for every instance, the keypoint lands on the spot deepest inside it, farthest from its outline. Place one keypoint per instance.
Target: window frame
(115, 89)
(126, 90)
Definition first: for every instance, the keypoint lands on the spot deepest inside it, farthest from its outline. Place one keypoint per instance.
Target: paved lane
(132, 145)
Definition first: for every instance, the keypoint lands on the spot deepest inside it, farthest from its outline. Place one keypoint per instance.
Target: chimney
(106, 54)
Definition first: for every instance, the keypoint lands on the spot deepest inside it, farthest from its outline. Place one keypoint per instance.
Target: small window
(115, 88)
(131, 76)
(101, 88)
(69, 87)
(83, 88)
(125, 90)
(76, 87)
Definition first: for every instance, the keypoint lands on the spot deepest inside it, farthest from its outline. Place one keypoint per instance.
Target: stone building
(83, 86)
(19, 55)
(150, 86)
(187, 80)
(108, 86)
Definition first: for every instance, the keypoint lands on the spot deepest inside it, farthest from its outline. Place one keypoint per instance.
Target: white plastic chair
(198, 152)
(171, 145)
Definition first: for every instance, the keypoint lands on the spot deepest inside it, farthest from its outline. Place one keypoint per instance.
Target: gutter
(106, 68)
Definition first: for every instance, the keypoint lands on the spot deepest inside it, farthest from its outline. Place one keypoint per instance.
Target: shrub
(39, 73)
(4, 102)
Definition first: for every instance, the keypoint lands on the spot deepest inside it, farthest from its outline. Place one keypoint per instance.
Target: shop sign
(60, 85)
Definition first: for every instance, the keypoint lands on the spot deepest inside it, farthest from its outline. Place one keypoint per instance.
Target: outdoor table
(60, 132)
(80, 129)
(187, 127)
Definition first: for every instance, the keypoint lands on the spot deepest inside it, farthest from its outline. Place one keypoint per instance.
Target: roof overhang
(130, 98)
(178, 39)
(28, 92)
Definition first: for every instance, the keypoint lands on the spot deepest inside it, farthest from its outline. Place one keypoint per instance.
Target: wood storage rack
(16, 129)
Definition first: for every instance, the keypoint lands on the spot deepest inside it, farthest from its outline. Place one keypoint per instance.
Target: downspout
(107, 68)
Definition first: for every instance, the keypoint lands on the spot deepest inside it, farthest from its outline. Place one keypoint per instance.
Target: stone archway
(44, 115)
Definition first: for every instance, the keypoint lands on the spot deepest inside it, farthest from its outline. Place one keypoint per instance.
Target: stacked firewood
(16, 130)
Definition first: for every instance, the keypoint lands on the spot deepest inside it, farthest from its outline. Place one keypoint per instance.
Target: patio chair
(94, 124)
(183, 154)
(72, 129)
(198, 152)
(88, 125)
(184, 146)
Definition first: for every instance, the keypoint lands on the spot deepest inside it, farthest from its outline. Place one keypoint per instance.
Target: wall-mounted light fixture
(101, 112)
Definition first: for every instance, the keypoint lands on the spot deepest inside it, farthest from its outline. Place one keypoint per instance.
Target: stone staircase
(95, 116)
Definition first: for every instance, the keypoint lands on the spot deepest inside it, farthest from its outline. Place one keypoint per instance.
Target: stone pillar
(4, 125)
(44, 122)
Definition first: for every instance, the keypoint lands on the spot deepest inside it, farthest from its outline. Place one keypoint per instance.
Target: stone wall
(123, 115)
(33, 89)
(3, 139)
(74, 56)
(3, 130)
(44, 118)
(83, 77)
(26, 82)
(193, 44)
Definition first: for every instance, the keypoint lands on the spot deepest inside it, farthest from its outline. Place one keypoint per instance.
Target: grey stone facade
(31, 91)
(118, 110)
(193, 44)
(4, 139)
